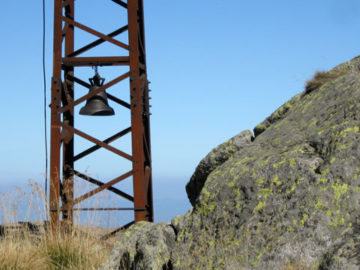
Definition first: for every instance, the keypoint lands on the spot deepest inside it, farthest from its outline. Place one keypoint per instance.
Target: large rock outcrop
(287, 199)
(213, 160)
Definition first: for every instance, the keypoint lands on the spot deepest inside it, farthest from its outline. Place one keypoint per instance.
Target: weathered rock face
(290, 197)
(213, 160)
(143, 246)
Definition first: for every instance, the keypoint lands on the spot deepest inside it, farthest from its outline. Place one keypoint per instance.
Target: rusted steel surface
(121, 3)
(140, 111)
(96, 141)
(95, 33)
(63, 130)
(97, 190)
(55, 120)
(108, 209)
(99, 183)
(77, 80)
(119, 101)
(107, 141)
(98, 42)
(136, 108)
(96, 61)
(67, 187)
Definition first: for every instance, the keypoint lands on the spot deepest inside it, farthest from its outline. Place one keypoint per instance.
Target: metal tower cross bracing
(63, 131)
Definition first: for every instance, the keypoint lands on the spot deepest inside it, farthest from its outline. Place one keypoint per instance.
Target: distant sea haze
(25, 202)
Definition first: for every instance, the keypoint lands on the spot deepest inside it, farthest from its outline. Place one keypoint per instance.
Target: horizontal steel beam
(96, 61)
(109, 209)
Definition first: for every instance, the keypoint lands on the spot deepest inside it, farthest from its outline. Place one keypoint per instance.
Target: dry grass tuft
(69, 251)
(29, 245)
(20, 255)
(320, 78)
(299, 267)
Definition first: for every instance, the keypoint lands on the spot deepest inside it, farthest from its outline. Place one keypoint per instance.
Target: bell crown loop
(97, 80)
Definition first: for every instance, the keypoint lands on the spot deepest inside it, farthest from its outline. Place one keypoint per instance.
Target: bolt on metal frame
(62, 114)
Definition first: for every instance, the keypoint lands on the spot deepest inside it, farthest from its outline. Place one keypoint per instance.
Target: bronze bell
(98, 104)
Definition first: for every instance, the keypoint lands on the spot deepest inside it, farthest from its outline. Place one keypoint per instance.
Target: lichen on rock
(214, 159)
(287, 199)
(144, 246)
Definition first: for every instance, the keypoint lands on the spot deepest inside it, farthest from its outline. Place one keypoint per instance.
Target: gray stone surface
(288, 199)
(144, 246)
(214, 159)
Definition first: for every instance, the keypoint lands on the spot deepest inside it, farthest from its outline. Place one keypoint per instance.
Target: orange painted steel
(62, 156)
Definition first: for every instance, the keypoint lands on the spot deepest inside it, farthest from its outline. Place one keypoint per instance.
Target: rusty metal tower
(66, 57)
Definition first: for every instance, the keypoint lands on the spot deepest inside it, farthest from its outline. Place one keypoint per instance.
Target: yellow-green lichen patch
(292, 189)
(128, 233)
(282, 110)
(260, 205)
(276, 165)
(238, 206)
(264, 193)
(259, 181)
(176, 220)
(313, 122)
(204, 210)
(306, 107)
(339, 191)
(244, 160)
(338, 219)
(319, 205)
(346, 131)
(292, 162)
(212, 206)
(260, 127)
(276, 181)
(206, 195)
(238, 192)
(231, 184)
(262, 163)
(304, 218)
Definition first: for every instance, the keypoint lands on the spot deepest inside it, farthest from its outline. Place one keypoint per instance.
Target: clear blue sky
(217, 67)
